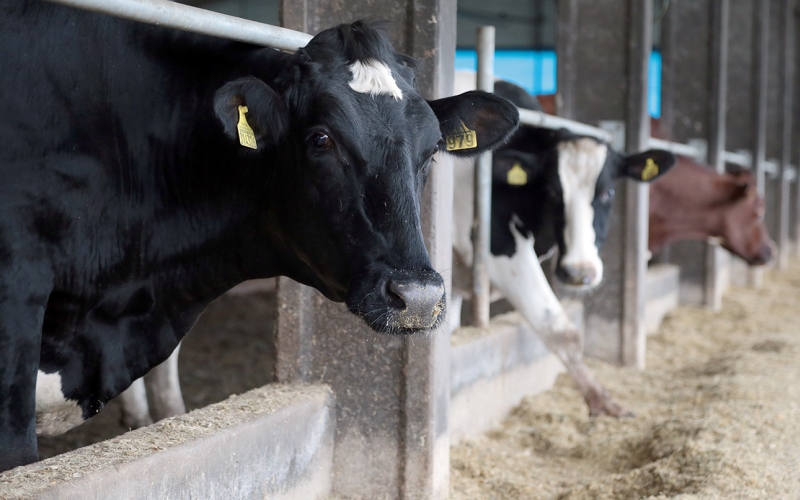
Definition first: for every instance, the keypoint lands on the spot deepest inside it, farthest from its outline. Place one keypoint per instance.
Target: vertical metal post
(483, 192)
(787, 89)
(567, 41)
(716, 134)
(636, 194)
(760, 90)
(760, 94)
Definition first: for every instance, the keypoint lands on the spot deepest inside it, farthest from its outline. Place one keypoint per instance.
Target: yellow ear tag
(246, 136)
(650, 170)
(517, 176)
(463, 139)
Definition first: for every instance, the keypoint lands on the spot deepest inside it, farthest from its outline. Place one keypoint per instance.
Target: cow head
(743, 231)
(350, 144)
(576, 176)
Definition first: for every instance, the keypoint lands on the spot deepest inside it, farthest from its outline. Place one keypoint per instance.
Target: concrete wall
(274, 442)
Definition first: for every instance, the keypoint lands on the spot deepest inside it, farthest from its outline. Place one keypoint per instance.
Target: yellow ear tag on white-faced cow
(246, 136)
(463, 139)
(517, 176)
(650, 170)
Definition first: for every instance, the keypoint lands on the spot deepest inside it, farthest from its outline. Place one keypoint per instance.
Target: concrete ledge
(275, 442)
(491, 371)
(662, 288)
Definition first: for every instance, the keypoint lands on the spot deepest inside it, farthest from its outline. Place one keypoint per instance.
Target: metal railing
(197, 20)
(543, 120)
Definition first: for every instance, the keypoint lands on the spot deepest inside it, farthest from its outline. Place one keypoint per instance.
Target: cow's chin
(400, 305)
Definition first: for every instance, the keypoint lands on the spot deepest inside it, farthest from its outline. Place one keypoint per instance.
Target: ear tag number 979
(463, 139)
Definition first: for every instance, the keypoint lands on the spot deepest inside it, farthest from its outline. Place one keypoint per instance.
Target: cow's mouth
(400, 303)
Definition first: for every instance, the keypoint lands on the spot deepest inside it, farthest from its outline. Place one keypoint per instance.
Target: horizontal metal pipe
(742, 159)
(676, 148)
(196, 20)
(540, 119)
(771, 168)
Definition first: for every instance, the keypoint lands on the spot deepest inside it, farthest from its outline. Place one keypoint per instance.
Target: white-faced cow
(145, 171)
(550, 190)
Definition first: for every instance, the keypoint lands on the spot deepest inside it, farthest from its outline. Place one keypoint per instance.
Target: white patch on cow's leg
(374, 77)
(579, 165)
(522, 281)
(135, 410)
(164, 388)
(55, 414)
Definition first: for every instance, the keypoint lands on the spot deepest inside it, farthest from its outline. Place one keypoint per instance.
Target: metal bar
(742, 159)
(771, 168)
(636, 195)
(676, 148)
(196, 20)
(787, 88)
(483, 192)
(760, 90)
(718, 90)
(543, 120)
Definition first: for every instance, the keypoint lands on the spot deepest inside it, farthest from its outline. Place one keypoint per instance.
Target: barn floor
(717, 416)
(229, 351)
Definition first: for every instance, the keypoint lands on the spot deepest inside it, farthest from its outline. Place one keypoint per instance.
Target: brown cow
(694, 202)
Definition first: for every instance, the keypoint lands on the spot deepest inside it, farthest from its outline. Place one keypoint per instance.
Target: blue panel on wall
(535, 71)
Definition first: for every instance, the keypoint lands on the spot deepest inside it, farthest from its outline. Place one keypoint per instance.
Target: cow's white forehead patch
(580, 163)
(55, 414)
(374, 77)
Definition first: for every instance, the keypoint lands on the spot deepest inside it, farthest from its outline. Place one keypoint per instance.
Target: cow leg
(164, 388)
(522, 281)
(21, 317)
(135, 410)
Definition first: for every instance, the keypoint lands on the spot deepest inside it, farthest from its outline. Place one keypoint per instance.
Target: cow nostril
(420, 303)
(393, 295)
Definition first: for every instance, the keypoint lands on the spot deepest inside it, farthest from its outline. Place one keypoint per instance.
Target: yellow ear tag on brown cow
(463, 139)
(650, 170)
(246, 136)
(517, 176)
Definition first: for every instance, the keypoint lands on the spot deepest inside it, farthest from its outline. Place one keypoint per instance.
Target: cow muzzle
(400, 302)
(423, 303)
(582, 276)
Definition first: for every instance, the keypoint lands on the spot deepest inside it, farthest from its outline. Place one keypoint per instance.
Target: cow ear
(251, 113)
(475, 121)
(646, 166)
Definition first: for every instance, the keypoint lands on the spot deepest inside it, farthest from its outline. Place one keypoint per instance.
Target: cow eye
(607, 196)
(321, 141)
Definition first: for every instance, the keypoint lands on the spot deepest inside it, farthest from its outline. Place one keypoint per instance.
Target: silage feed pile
(717, 416)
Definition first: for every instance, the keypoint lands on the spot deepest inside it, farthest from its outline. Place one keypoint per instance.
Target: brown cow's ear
(251, 113)
(646, 166)
(474, 122)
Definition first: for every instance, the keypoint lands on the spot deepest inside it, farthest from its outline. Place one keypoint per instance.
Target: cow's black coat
(127, 204)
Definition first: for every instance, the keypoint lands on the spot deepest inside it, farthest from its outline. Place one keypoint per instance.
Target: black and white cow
(145, 171)
(551, 190)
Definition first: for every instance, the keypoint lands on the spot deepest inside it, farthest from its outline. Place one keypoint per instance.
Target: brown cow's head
(743, 231)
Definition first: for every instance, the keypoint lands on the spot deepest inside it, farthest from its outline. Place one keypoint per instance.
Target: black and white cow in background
(551, 190)
(145, 171)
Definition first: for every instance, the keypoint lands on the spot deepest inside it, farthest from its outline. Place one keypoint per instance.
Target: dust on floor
(717, 416)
